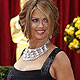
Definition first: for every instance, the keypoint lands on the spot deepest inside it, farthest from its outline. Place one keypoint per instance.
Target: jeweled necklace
(31, 54)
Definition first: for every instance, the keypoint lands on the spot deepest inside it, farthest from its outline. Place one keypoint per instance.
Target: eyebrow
(37, 17)
(34, 17)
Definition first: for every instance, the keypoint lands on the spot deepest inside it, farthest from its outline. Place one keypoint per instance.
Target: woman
(41, 60)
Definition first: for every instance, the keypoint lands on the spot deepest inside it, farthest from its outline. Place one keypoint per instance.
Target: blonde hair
(47, 7)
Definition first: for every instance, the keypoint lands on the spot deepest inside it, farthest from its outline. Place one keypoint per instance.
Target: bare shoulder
(62, 66)
(61, 61)
(62, 58)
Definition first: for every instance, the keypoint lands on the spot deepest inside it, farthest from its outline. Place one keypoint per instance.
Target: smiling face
(39, 25)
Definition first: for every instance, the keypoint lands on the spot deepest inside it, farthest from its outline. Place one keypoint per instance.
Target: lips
(40, 31)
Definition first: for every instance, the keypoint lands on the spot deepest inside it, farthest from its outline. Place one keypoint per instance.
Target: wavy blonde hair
(47, 7)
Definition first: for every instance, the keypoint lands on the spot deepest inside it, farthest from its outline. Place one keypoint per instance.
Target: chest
(31, 65)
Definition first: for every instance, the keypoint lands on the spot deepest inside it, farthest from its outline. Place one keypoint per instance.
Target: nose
(40, 24)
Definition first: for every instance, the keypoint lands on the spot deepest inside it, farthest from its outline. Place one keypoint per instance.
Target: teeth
(40, 32)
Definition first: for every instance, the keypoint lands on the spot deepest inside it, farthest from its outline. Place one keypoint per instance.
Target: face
(39, 25)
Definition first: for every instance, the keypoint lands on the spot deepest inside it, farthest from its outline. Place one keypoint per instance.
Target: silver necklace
(32, 54)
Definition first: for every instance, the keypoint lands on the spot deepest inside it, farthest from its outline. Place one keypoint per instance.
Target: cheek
(47, 28)
(32, 30)
(33, 27)
(46, 25)
(49, 31)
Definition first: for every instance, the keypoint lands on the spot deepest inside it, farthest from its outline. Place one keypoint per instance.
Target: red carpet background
(68, 9)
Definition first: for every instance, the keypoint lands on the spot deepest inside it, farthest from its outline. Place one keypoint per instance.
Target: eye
(45, 20)
(35, 20)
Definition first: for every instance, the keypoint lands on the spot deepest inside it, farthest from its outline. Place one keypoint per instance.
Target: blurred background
(9, 10)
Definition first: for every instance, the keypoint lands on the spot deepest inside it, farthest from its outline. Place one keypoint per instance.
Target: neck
(31, 53)
(36, 43)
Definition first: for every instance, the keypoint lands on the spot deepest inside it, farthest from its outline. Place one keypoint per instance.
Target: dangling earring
(50, 36)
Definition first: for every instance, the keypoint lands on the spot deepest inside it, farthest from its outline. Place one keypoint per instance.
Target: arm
(62, 67)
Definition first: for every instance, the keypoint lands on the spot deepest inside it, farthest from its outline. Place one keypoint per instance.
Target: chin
(41, 37)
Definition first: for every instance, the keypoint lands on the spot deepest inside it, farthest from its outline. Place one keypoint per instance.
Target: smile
(40, 31)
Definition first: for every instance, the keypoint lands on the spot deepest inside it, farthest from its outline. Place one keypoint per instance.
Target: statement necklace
(31, 54)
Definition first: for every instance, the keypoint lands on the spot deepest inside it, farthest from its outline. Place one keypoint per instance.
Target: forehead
(38, 13)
